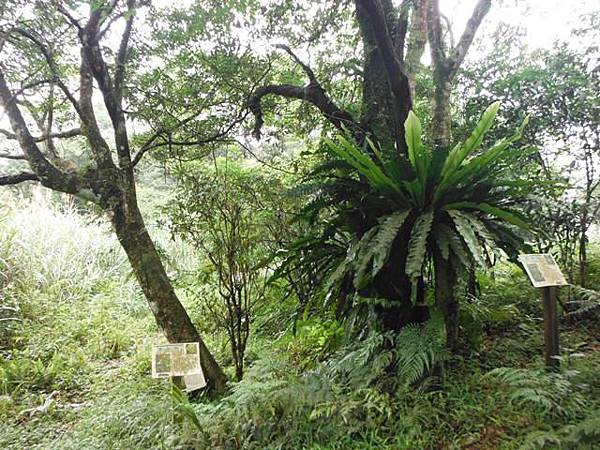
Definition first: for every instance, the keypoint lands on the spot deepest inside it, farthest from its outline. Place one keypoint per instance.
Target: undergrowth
(74, 364)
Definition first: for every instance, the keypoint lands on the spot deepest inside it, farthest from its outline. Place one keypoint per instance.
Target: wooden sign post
(551, 345)
(545, 274)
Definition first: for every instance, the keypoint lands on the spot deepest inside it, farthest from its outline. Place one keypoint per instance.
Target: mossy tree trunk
(169, 313)
(445, 297)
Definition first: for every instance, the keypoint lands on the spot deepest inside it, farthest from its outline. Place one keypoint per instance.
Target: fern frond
(363, 259)
(538, 440)
(442, 235)
(586, 432)
(549, 393)
(586, 300)
(419, 347)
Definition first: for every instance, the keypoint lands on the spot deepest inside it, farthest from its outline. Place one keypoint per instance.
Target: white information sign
(543, 270)
(179, 360)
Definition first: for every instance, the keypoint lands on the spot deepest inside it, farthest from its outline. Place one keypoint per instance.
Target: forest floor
(75, 368)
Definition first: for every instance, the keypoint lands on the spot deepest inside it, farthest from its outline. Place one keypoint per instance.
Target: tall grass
(75, 310)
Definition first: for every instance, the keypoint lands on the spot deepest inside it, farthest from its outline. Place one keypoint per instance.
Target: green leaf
(367, 167)
(442, 236)
(386, 234)
(459, 153)
(412, 127)
(466, 232)
(417, 245)
(363, 257)
(417, 154)
(508, 216)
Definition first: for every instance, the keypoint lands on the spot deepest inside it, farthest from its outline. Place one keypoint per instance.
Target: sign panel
(543, 270)
(179, 360)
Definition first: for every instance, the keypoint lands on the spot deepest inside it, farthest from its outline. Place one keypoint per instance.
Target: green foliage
(419, 348)
(549, 393)
(584, 301)
(414, 352)
(234, 214)
(77, 372)
(581, 436)
(465, 202)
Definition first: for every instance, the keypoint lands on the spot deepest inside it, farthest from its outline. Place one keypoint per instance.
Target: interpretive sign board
(545, 274)
(542, 270)
(179, 360)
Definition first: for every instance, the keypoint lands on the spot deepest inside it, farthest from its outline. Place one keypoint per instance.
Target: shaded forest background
(335, 218)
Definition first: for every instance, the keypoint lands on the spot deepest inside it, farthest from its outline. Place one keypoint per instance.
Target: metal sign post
(545, 274)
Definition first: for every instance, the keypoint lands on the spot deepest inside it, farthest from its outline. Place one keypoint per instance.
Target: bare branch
(459, 52)
(8, 180)
(33, 84)
(262, 161)
(217, 137)
(122, 54)
(48, 174)
(58, 135)
(68, 15)
(448, 29)
(20, 157)
(312, 93)
(309, 72)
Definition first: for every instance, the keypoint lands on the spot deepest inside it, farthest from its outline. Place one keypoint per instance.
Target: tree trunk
(441, 120)
(582, 258)
(445, 281)
(380, 112)
(168, 311)
(393, 284)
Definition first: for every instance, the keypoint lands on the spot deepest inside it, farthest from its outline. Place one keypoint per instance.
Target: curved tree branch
(8, 180)
(48, 174)
(20, 157)
(312, 93)
(58, 135)
(309, 72)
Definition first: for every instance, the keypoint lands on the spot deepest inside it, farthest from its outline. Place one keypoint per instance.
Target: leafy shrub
(60, 371)
(584, 435)
(552, 394)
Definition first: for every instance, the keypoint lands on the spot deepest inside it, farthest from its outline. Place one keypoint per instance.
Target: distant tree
(558, 87)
